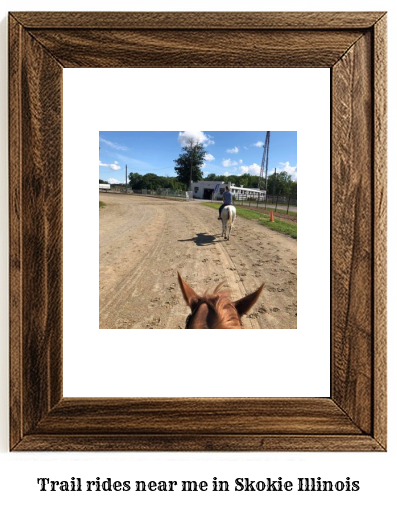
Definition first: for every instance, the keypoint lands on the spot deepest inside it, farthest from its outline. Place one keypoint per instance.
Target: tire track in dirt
(138, 282)
(223, 261)
(115, 235)
(129, 288)
(216, 265)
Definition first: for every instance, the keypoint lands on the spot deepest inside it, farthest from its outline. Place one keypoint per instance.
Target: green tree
(293, 189)
(248, 181)
(231, 179)
(173, 184)
(151, 181)
(253, 181)
(279, 183)
(136, 181)
(214, 177)
(188, 164)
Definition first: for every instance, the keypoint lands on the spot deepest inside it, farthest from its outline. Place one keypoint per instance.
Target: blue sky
(227, 152)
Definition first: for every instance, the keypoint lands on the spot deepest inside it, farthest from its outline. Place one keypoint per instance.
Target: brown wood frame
(353, 46)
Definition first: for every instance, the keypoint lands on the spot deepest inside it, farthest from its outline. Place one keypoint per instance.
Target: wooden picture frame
(353, 46)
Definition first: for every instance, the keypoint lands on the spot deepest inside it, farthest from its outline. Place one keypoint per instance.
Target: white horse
(228, 217)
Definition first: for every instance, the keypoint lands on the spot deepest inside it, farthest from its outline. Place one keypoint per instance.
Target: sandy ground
(143, 242)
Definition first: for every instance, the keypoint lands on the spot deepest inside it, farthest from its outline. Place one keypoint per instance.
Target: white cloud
(259, 144)
(226, 174)
(229, 163)
(208, 157)
(292, 170)
(197, 136)
(115, 166)
(113, 181)
(115, 146)
(232, 150)
(253, 169)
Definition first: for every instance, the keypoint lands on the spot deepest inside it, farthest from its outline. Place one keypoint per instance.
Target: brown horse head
(216, 310)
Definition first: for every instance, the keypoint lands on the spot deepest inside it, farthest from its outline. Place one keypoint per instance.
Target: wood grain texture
(36, 241)
(199, 443)
(200, 20)
(196, 48)
(41, 83)
(380, 229)
(353, 45)
(174, 416)
(352, 232)
(15, 228)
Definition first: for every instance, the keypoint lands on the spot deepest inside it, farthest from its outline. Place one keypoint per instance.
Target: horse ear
(244, 304)
(189, 295)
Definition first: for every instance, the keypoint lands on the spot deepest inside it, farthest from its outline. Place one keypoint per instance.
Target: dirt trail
(143, 242)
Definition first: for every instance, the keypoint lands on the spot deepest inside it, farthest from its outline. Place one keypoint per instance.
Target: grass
(281, 210)
(101, 204)
(262, 206)
(278, 225)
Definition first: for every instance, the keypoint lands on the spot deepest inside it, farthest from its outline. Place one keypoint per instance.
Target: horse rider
(227, 200)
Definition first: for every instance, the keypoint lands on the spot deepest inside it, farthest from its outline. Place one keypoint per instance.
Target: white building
(215, 189)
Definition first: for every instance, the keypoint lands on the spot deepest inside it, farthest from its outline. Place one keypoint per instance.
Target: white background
(193, 363)
(18, 472)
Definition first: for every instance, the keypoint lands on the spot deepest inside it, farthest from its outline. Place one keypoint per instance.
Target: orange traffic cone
(271, 216)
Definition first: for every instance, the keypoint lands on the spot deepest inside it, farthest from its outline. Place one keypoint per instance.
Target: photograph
(106, 394)
(198, 229)
(188, 234)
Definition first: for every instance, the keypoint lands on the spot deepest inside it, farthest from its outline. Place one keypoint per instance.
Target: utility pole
(275, 187)
(191, 170)
(193, 146)
(126, 185)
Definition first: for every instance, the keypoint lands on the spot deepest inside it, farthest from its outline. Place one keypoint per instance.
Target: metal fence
(121, 189)
(166, 192)
(159, 192)
(271, 202)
